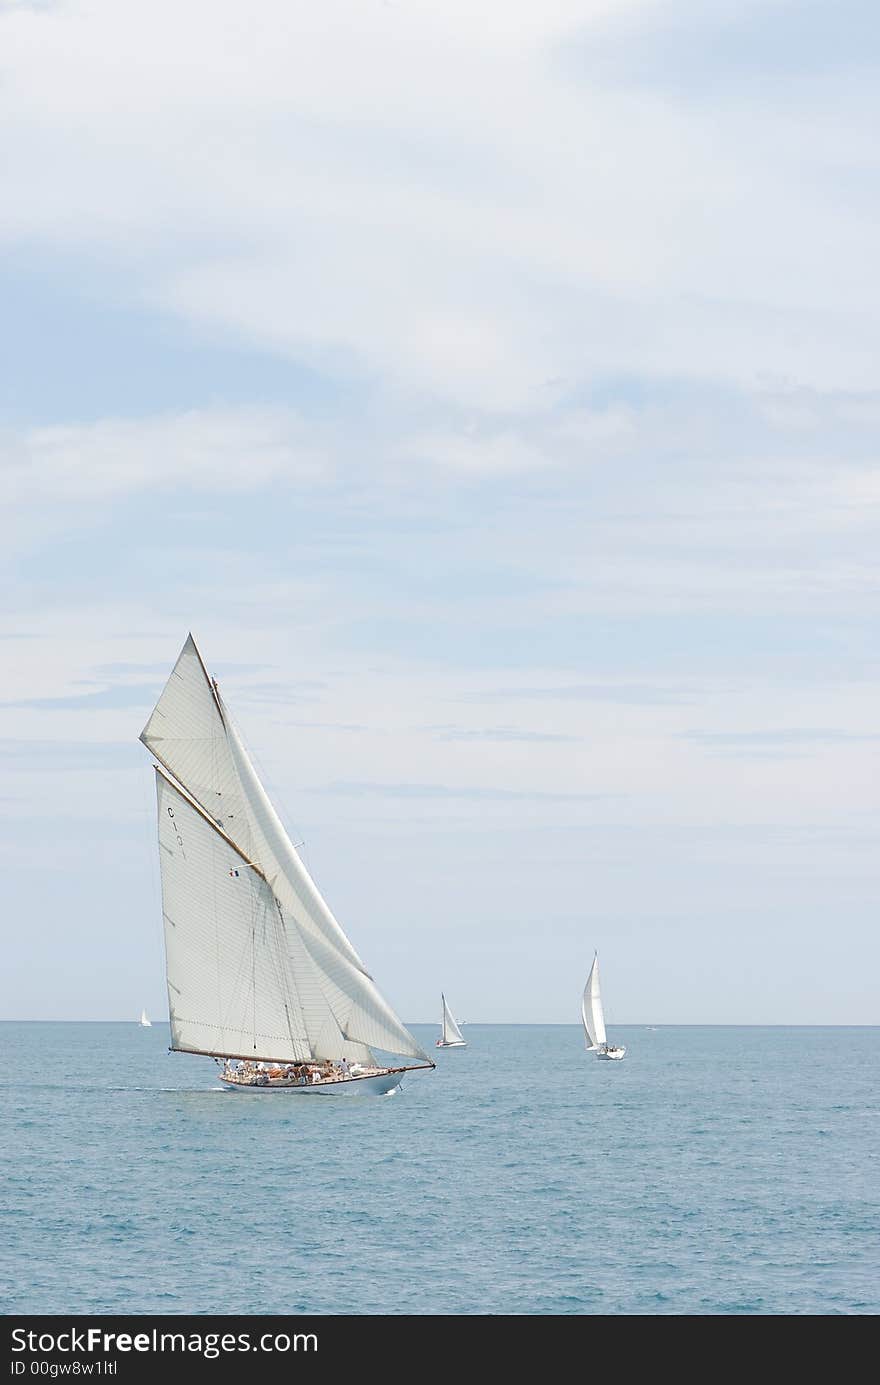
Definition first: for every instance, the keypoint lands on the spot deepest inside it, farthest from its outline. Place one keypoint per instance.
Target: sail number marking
(170, 812)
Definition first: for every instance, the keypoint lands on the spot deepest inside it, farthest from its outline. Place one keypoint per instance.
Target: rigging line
(155, 878)
(302, 973)
(326, 985)
(234, 1018)
(254, 969)
(211, 682)
(217, 964)
(288, 980)
(271, 788)
(168, 776)
(239, 990)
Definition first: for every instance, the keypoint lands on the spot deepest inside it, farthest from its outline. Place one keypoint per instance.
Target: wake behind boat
(450, 1034)
(593, 1017)
(260, 973)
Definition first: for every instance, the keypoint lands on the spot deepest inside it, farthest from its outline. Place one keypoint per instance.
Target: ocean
(714, 1171)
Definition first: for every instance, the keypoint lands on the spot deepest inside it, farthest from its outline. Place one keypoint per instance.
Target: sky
(494, 392)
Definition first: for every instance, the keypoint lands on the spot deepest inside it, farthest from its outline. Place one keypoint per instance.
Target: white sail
(591, 1009)
(280, 859)
(362, 1013)
(229, 984)
(451, 1032)
(144, 1021)
(186, 734)
(191, 733)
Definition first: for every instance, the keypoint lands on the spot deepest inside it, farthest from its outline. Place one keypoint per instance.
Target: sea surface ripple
(714, 1171)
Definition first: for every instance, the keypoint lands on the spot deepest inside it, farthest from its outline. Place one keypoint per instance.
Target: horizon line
(533, 1024)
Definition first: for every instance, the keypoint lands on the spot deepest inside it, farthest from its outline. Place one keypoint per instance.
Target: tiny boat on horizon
(450, 1034)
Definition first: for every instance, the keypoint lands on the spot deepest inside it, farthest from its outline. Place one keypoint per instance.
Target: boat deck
(278, 1079)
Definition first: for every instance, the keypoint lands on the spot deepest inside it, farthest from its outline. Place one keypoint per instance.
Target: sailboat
(594, 1018)
(450, 1034)
(144, 1022)
(261, 976)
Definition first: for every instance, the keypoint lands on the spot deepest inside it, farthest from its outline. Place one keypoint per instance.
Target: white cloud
(449, 205)
(203, 450)
(439, 196)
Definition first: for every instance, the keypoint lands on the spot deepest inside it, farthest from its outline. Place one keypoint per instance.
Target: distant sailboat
(450, 1036)
(261, 976)
(594, 1018)
(144, 1022)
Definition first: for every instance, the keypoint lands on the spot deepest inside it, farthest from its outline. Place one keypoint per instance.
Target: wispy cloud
(499, 734)
(348, 726)
(467, 250)
(729, 50)
(366, 789)
(631, 694)
(280, 694)
(64, 757)
(120, 696)
(785, 737)
(120, 670)
(220, 449)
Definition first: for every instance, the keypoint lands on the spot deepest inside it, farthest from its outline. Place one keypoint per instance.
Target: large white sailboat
(450, 1034)
(593, 1017)
(261, 977)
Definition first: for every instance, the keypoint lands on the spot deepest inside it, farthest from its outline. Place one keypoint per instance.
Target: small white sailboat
(450, 1034)
(144, 1022)
(261, 977)
(594, 1018)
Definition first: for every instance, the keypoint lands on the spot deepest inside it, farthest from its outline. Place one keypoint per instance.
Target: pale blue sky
(496, 398)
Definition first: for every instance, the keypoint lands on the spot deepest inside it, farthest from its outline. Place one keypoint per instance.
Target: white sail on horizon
(450, 1030)
(591, 1009)
(340, 1012)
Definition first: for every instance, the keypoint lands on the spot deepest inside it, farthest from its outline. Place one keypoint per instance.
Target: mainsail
(591, 1009)
(241, 892)
(451, 1031)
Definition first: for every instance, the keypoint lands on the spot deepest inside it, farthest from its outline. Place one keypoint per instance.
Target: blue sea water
(715, 1170)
